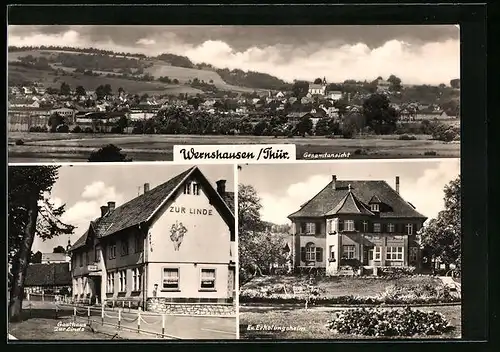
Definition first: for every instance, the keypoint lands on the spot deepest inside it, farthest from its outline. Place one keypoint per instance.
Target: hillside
(105, 63)
(21, 75)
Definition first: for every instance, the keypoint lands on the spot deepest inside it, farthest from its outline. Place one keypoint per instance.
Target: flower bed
(422, 294)
(388, 322)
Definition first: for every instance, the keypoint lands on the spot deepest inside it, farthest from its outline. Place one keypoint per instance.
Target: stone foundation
(162, 305)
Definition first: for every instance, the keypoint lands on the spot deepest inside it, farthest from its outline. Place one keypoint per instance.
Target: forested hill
(236, 77)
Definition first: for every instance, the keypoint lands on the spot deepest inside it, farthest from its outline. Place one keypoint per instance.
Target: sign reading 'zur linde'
(190, 211)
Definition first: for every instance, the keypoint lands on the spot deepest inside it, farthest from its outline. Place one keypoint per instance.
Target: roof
(53, 274)
(330, 201)
(350, 205)
(317, 86)
(142, 208)
(53, 257)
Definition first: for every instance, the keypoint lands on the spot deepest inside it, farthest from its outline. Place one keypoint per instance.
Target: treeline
(176, 60)
(73, 49)
(252, 79)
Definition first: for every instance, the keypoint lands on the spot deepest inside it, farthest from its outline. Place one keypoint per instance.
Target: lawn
(343, 286)
(310, 324)
(75, 147)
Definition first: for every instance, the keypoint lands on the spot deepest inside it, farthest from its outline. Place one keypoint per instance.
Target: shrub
(430, 153)
(38, 129)
(88, 130)
(360, 152)
(395, 271)
(406, 137)
(19, 142)
(393, 322)
(62, 128)
(77, 129)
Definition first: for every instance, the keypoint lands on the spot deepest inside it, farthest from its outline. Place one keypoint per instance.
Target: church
(318, 89)
(170, 250)
(356, 225)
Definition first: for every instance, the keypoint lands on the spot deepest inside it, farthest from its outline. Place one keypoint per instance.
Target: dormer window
(375, 207)
(196, 189)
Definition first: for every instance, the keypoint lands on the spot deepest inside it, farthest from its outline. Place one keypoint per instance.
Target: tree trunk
(21, 261)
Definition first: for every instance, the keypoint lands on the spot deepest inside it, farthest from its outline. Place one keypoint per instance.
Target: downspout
(145, 271)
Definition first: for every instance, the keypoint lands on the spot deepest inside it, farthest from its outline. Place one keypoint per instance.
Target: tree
(36, 258)
(107, 90)
(121, 90)
(108, 153)
(258, 249)
(318, 81)
(59, 249)
(99, 92)
(300, 89)
(55, 120)
(455, 83)
(322, 127)
(65, 89)
(380, 116)
(441, 237)
(304, 126)
(30, 214)
(80, 91)
(395, 83)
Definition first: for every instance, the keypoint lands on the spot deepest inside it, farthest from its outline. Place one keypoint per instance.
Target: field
(77, 147)
(158, 69)
(343, 286)
(310, 324)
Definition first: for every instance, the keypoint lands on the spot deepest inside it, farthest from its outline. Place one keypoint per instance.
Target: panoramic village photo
(130, 93)
(122, 251)
(350, 250)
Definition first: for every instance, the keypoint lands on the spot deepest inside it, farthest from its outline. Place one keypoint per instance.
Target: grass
(343, 286)
(310, 324)
(159, 147)
(39, 324)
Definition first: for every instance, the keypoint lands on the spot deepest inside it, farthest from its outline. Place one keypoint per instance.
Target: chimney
(111, 206)
(221, 187)
(104, 210)
(146, 187)
(334, 182)
(397, 184)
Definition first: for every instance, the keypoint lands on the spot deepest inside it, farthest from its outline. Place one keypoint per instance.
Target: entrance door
(97, 288)
(371, 257)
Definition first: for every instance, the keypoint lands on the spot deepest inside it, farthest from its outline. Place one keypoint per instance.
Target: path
(252, 308)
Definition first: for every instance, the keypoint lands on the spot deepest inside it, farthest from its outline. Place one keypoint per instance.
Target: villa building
(171, 249)
(354, 224)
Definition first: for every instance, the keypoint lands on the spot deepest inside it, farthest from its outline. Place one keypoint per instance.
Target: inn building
(356, 224)
(170, 248)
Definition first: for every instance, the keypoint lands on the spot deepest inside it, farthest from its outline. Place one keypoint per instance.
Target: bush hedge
(389, 322)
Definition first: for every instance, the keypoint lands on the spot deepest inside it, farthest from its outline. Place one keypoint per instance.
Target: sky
(85, 188)
(418, 54)
(287, 186)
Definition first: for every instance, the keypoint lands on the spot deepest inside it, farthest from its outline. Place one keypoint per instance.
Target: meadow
(77, 147)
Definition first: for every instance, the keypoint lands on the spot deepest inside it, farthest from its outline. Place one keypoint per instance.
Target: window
(196, 189)
(375, 207)
(310, 252)
(310, 228)
(97, 255)
(409, 229)
(348, 251)
(377, 253)
(390, 228)
(332, 253)
(123, 280)
(187, 188)
(207, 279)
(413, 254)
(111, 283)
(137, 279)
(124, 246)
(112, 250)
(170, 278)
(349, 225)
(365, 226)
(394, 253)
(376, 227)
(139, 243)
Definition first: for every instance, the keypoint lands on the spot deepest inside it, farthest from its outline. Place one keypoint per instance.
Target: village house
(356, 224)
(334, 95)
(48, 278)
(168, 250)
(383, 85)
(50, 258)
